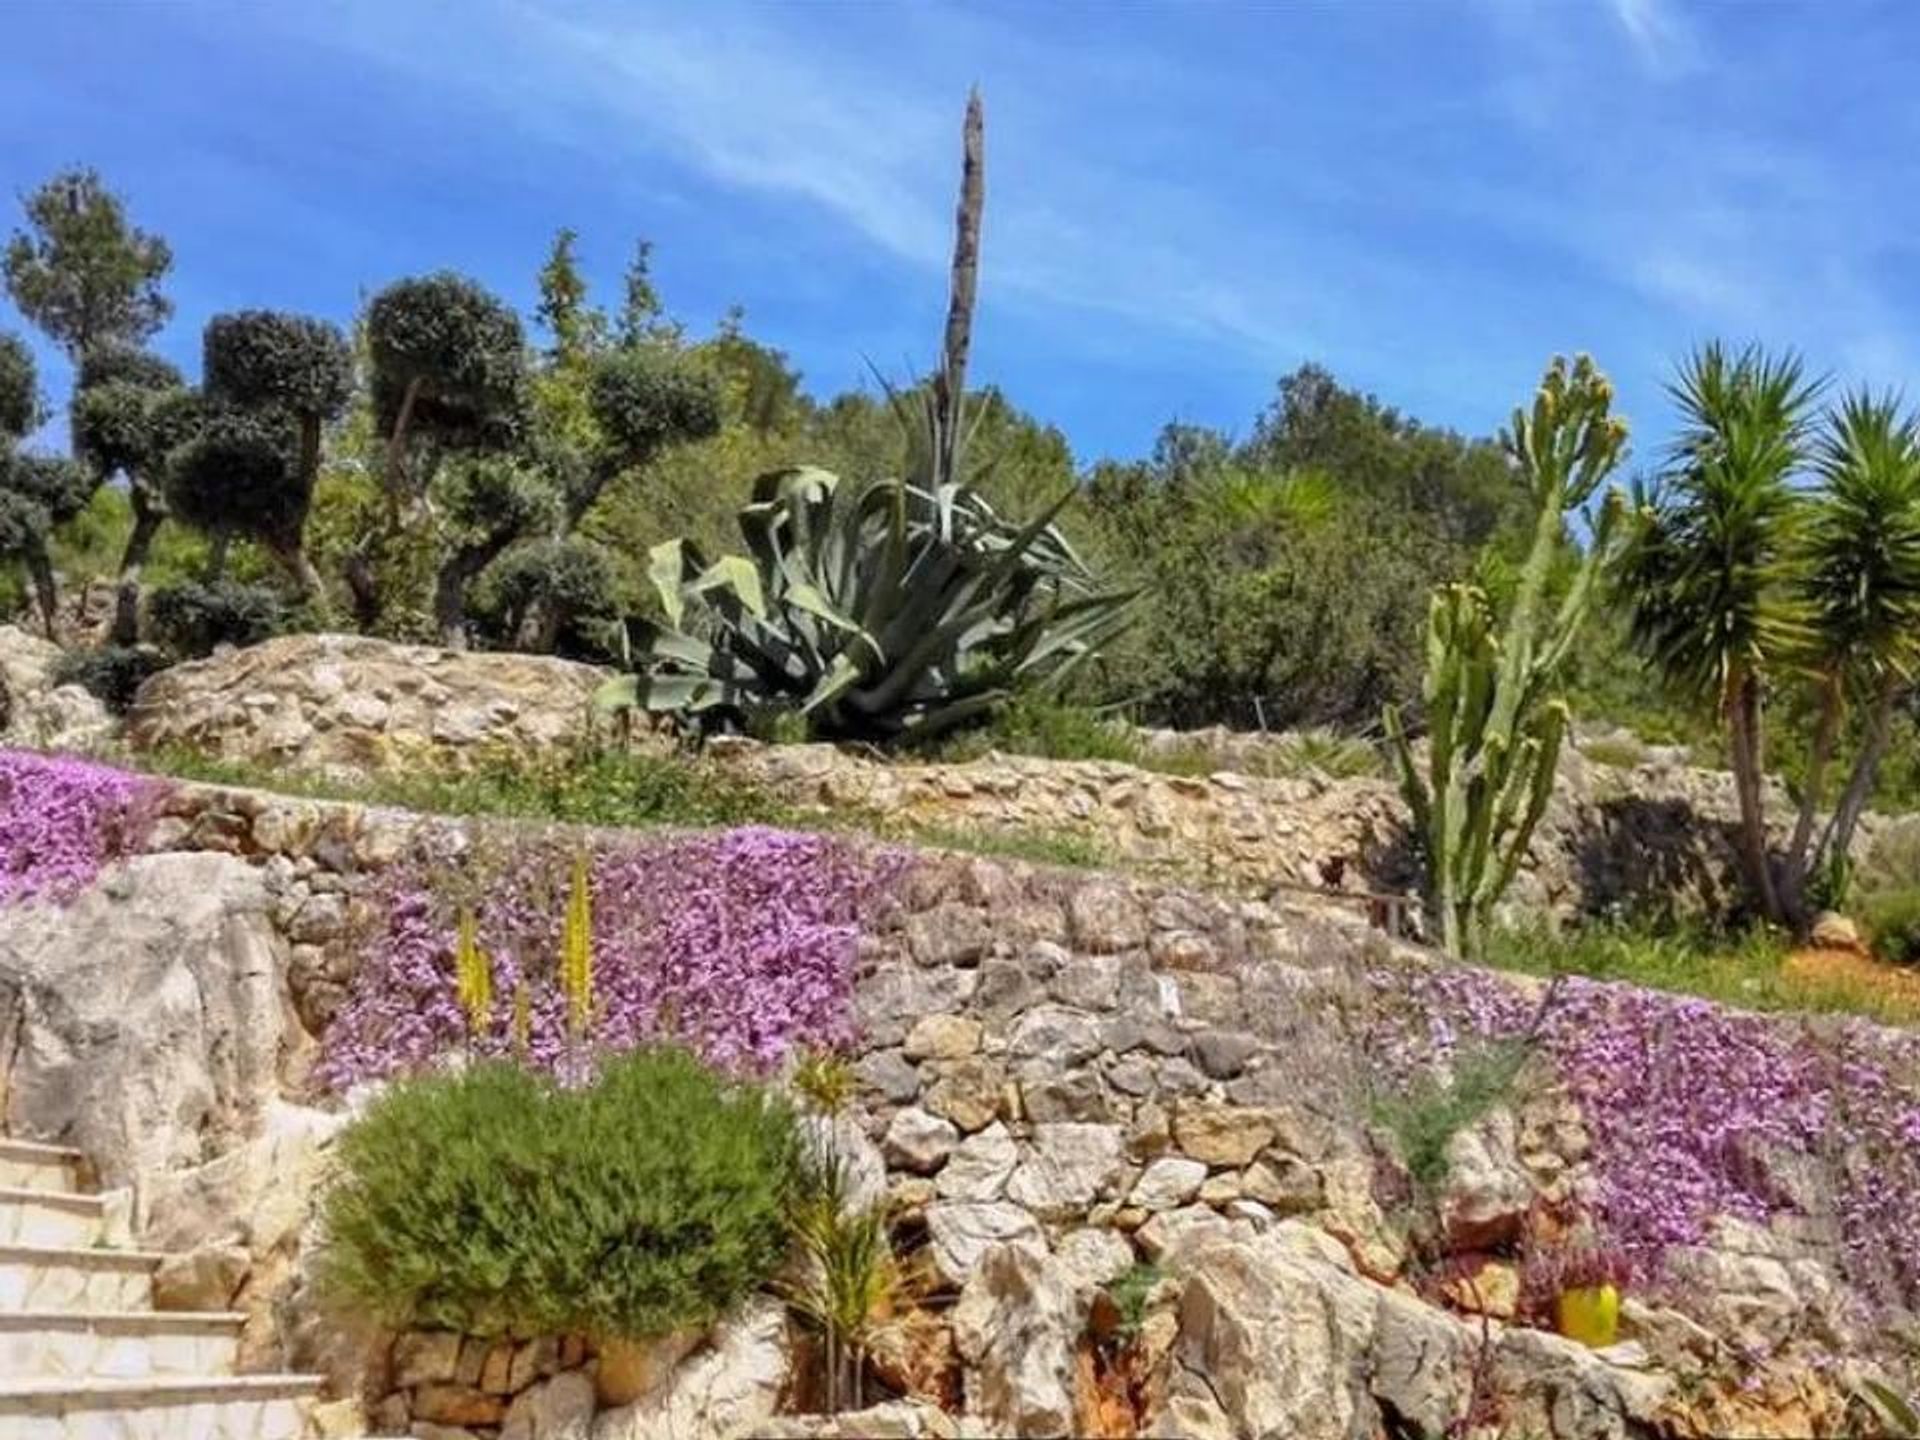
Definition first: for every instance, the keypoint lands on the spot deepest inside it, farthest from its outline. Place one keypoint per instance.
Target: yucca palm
(1862, 592)
(1710, 567)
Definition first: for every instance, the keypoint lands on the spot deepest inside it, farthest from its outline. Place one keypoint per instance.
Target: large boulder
(146, 1022)
(1017, 1326)
(36, 712)
(1278, 1335)
(349, 703)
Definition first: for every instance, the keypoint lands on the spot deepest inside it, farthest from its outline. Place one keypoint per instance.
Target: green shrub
(1424, 1119)
(1892, 918)
(111, 674)
(492, 1202)
(1038, 725)
(190, 618)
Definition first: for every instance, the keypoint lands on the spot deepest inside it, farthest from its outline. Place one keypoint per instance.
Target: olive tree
(547, 593)
(644, 399)
(233, 479)
(37, 492)
(487, 503)
(129, 410)
(289, 374)
(449, 377)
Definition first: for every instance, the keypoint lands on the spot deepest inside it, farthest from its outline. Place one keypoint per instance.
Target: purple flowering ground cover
(1696, 1111)
(63, 819)
(740, 944)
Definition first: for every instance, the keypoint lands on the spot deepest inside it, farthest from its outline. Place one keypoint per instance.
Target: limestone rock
(1228, 1136)
(1279, 1336)
(895, 1420)
(1168, 1182)
(841, 1140)
(425, 1357)
(65, 717)
(980, 1166)
(1016, 1327)
(204, 1279)
(1487, 1192)
(144, 1022)
(1833, 931)
(961, 1232)
(943, 1037)
(728, 1389)
(1072, 1165)
(353, 703)
(918, 1141)
(26, 661)
(558, 1408)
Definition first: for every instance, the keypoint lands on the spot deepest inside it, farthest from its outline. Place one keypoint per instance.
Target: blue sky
(1184, 201)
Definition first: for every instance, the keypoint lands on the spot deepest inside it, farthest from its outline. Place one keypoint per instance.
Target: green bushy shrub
(491, 1202)
(1892, 918)
(1039, 725)
(190, 618)
(111, 674)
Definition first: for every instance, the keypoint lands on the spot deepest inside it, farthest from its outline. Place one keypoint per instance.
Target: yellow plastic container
(1590, 1314)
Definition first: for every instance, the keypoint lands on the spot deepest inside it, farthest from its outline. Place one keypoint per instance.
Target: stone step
(38, 1277)
(123, 1345)
(244, 1407)
(29, 1165)
(44, 1217)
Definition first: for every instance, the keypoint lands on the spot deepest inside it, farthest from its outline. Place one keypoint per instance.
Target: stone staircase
(83, 1353)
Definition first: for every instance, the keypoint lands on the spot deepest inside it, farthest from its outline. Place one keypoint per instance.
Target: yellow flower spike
(576, 949)
(473, 975)
(522, 1020)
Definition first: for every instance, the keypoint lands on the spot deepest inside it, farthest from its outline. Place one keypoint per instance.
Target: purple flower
(740, 944)
(62, 820)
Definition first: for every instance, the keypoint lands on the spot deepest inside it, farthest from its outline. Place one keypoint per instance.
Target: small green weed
(1424, 1121)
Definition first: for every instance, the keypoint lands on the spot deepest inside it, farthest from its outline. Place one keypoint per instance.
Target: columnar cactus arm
(1493, 734)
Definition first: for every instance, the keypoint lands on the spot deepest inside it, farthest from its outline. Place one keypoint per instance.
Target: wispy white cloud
(1661, 36)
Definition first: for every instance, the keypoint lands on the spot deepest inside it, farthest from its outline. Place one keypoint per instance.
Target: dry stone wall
(1062, 1074)
(1651, 835)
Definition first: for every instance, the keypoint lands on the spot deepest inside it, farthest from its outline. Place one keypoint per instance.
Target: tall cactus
(1494, 728)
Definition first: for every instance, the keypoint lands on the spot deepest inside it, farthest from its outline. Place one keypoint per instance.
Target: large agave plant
(879, 611)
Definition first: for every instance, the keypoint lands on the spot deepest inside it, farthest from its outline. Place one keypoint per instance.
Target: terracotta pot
(1590, 1314)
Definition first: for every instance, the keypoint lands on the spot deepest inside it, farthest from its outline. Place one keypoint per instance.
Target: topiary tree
(81, 272)
(129, 410)
(548, 594)
(281, 368)
(644, 399)
(449, 376)
(37, 494)
(489, 502)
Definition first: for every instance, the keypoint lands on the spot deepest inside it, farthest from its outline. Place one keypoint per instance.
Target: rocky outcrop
(36, 712)
(145, 1023)
(1647, 832)
(349, 703)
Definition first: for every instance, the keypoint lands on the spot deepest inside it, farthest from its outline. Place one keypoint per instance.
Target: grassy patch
(1050, 730)
(623, 790)
(1032, 725)
(611, 788)
(1748, 969)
